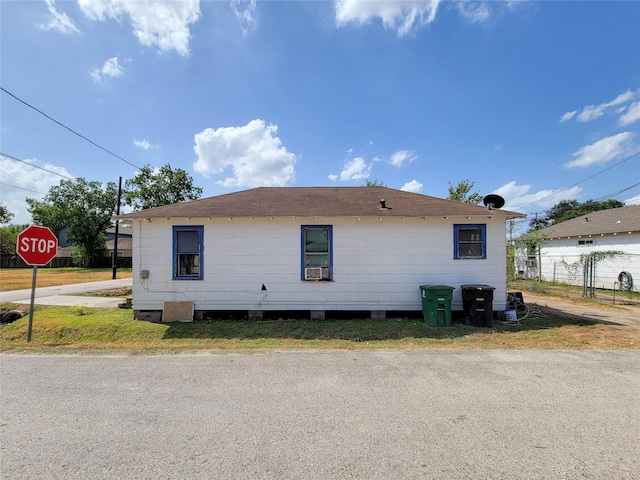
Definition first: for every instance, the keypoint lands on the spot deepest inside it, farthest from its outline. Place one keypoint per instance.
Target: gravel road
(333, 415)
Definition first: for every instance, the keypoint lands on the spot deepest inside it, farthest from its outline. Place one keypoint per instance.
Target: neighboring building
(566, 244)
(65, 247)
(124, 242)
(314, 249)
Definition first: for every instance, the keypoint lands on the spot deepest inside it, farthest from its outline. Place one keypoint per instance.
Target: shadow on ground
(362, 330)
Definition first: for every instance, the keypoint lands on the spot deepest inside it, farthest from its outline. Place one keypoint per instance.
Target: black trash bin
(477, 303)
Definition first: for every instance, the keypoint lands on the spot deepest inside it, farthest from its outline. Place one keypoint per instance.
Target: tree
(461, 193)
(567, 209)
(85, 208)
(5, 214)
(374, 183)
(561, 211)
(157, 187)
(9, 238)
(539, 222)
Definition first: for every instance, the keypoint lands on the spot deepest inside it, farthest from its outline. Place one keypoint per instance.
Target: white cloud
(333, 177)
(474, 12)
(615, 106)
(633, 200)
(163, 24)
(519, 196)
(604, 150)
(632, 115)
(253, 152)
(356, 169)
(245, 12)
(399, 15)
(111, 68)
(21, 181)
(568, 116)
(59, 21)
(144, 144)
(401, 157)
(412, 186)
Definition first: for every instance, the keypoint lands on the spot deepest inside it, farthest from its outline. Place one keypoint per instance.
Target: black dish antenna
(492, 201)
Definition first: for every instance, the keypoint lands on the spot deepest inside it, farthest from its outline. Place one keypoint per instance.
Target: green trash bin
(436, 304)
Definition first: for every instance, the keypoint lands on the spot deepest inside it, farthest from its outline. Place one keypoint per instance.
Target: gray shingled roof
(317, 201)
(614, 220)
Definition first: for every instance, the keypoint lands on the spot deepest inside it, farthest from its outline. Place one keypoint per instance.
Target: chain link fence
(600, 274)
(605, 272)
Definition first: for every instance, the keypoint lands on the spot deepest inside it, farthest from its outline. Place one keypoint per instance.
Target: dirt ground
(20, 278)
(574, 306)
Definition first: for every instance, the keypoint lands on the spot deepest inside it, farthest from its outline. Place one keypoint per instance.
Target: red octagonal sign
(37, 245)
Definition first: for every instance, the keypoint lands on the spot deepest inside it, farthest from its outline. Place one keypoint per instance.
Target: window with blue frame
(469, 241)
(317, 252)
(187, 252)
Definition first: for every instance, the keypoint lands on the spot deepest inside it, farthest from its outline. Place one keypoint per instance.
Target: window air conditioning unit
(313, 273)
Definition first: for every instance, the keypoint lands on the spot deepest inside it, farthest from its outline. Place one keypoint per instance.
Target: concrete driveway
(338, 415)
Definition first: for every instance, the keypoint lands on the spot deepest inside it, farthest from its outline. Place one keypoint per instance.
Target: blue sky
(536, 101)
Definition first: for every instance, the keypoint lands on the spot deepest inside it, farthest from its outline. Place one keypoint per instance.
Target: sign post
(33, 299)
(36, 246)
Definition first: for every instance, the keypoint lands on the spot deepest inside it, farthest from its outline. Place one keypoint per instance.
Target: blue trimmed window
(187, 252)
(317, 252)
(469, 241)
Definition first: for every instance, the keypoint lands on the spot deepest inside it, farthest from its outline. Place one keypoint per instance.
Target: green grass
(71, 329)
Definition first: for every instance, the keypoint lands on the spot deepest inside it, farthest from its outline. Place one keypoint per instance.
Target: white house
(613, 230)
(313, 249)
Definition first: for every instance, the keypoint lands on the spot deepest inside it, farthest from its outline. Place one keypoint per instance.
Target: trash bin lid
(437, 287)
(477, 286)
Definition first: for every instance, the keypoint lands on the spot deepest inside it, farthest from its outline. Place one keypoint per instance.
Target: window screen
(187, 245)
(470, 241)
(316, 248)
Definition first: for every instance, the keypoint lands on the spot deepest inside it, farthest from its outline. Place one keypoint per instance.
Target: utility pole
(114, 265)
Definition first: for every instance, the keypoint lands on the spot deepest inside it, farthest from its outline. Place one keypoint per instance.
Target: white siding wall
(377, 264)
(559, 258)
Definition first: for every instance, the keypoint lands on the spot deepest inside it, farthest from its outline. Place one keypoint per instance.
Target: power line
(34, 166)
(70, 129)
(16, 179)
(606, 197)
(582, 181)
(21, 188)
(534, 216)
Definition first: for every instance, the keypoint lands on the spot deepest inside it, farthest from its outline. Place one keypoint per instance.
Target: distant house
(65, 247)
(313, 249)
(124, 242)
(616, 229)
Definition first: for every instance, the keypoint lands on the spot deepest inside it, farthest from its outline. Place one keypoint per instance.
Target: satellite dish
(493, 201)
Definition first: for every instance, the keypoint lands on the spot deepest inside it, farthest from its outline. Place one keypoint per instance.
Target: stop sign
(37, 245)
